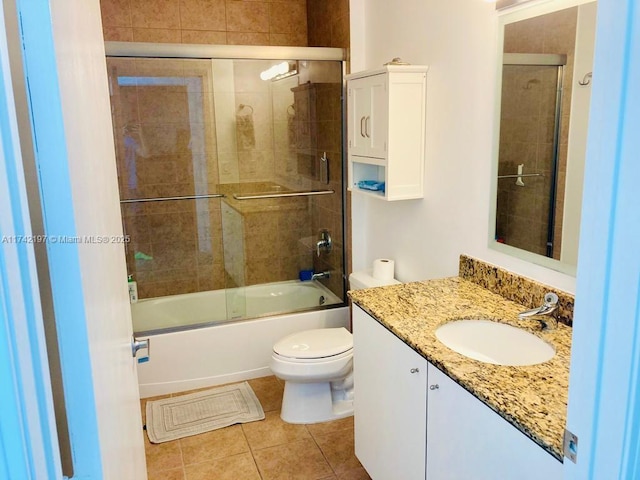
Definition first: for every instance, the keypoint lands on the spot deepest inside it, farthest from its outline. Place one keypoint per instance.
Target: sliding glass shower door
(229, 169)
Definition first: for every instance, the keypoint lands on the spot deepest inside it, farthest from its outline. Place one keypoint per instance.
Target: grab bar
(162, 199)
(284, 194)
(522, 175)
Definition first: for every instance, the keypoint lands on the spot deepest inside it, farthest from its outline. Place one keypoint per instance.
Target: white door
(64, 65)
(468, 440)
(604, 387)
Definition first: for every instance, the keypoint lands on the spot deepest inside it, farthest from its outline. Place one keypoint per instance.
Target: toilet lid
(319, 343)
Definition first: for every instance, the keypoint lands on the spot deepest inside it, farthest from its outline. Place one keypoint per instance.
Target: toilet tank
(364, 279)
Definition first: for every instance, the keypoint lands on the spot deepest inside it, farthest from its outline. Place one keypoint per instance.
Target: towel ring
(242, 106)
(586, 80)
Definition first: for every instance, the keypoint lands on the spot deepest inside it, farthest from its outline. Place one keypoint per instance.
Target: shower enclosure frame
(234, 52)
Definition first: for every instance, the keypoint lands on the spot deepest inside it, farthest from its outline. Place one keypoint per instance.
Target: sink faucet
(545, 312)
(325, 274)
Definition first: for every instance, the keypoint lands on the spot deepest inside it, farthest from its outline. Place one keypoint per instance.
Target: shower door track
(181, 50)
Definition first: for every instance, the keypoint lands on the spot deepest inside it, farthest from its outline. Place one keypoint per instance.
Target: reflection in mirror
(543, 127)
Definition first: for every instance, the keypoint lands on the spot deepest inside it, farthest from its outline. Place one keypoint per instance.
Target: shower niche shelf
(386, 110)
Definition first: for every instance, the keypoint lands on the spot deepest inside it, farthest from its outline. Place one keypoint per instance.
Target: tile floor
(269, 449)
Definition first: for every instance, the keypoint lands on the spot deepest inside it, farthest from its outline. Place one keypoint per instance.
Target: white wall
(578, 129)
(458, 40)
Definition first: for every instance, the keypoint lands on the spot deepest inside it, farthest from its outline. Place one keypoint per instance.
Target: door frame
(605, 363)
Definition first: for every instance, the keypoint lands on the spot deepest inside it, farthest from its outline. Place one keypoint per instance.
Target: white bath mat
(194, 413)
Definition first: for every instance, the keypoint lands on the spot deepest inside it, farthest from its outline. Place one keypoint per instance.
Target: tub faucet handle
(324, 243)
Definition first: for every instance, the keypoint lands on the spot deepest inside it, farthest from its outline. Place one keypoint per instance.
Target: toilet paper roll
(383, 269)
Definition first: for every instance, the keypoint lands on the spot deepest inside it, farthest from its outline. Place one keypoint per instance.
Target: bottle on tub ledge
(133, 289)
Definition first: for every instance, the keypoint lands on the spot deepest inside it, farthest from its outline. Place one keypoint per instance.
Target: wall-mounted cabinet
(386, 111)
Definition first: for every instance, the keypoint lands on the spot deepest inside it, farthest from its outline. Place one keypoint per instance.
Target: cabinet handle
(366, 126)
(434, 387)
(414, 370)
(361, 127)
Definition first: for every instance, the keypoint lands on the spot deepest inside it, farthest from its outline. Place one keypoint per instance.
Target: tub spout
(317, 276)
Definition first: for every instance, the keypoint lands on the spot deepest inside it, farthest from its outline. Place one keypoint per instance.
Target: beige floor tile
(236, 467)
(316, 429)
(173, 474)
(269, 391)
(273, 431)
(355, 474)
(338, 449)
(301, 460)
(221, 443)
(162, 456)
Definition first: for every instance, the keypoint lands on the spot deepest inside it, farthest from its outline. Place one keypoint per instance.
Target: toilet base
(315, 402)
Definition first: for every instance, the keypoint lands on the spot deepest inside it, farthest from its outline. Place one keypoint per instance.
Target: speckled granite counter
(532, 398)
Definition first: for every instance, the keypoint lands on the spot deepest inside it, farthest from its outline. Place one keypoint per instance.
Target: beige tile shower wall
(254, 122)
(327, 209)
(328, 22)
(328, 26)
(552, 33)
(265, 240)
(233, 22)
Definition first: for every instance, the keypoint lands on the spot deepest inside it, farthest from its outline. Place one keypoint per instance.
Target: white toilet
(317, 367)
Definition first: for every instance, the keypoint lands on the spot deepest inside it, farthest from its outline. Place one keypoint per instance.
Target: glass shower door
(168, 176)
(279, 141)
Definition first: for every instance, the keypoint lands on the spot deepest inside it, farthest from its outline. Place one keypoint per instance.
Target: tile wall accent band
(511, 286)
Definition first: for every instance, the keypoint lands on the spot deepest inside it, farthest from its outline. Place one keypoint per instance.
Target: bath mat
(200, 412)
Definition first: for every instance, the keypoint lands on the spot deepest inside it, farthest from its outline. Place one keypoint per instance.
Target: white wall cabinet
(424, 425)
(386, 111)
(390, 401)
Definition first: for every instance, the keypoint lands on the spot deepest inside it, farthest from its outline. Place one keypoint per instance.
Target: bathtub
(194, 343)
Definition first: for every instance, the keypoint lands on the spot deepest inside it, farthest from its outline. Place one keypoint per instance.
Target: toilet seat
(309, 345)
(315, 361)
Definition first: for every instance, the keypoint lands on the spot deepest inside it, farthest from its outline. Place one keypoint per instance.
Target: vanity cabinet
(413, 422)
(390, 402)
(386, 129)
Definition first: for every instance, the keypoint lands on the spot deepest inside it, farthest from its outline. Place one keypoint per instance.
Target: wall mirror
(544, 85)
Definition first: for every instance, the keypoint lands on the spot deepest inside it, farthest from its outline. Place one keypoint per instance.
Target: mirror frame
(522, 10)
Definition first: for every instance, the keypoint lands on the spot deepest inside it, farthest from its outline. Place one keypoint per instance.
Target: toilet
(317, 367)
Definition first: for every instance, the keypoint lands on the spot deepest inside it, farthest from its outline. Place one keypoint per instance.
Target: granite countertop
(533, 398)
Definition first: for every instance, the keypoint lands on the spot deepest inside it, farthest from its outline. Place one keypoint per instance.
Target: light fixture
(279, 71)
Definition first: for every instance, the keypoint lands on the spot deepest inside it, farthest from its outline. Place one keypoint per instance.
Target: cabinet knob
(414, 370)
(435, 386)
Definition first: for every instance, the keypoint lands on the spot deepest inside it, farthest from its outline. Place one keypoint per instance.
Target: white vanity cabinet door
(390, 394)
(467, 440)
(368, 116)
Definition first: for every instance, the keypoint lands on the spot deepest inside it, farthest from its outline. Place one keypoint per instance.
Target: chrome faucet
(319, 275)
(324, 243)
(545, 312)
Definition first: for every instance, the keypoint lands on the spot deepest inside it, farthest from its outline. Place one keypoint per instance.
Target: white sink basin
(493, 342)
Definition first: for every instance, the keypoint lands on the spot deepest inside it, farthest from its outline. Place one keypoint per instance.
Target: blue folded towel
(305, 275)
(371, 185)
